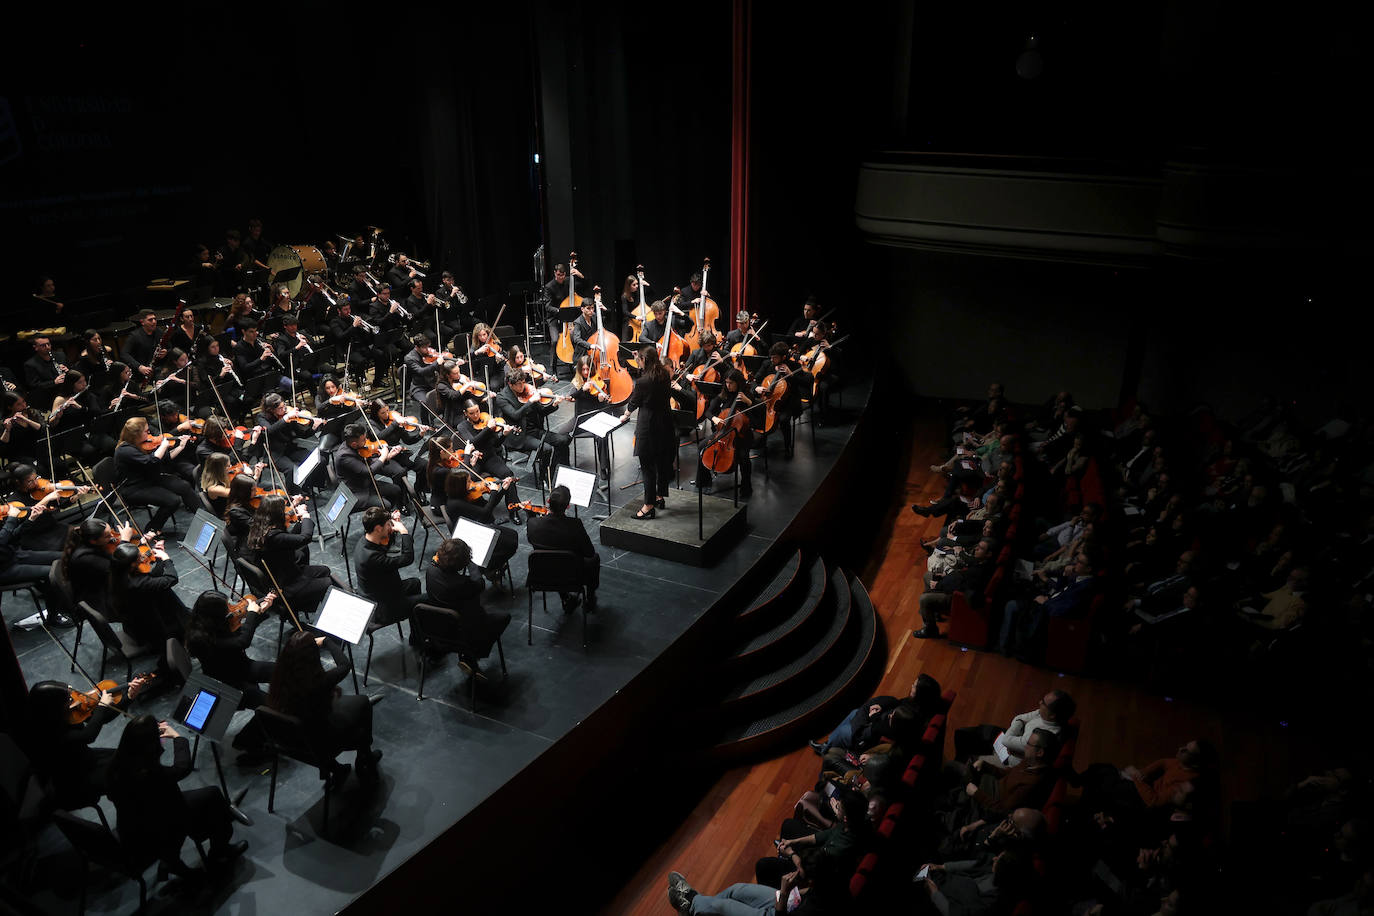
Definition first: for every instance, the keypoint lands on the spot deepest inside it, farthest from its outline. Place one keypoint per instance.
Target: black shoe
(571, 603)
(927, 633)
(680, 893)
(641, 514)
(661, 502)
(374, 699)
(819, 747)
(920, 510)
(60, 621)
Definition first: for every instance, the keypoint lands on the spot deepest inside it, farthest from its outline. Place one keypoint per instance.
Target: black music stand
(611, 423)
(199, 694)
(203, 537)
(346, 616)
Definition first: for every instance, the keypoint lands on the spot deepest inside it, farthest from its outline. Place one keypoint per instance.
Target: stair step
(817, 711)
(788, 629)
(788, 675)
(783, 584)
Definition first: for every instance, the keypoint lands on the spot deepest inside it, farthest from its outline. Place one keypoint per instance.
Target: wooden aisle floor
(737, 819)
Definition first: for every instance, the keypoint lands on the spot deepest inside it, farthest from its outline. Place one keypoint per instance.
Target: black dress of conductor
(655, 435)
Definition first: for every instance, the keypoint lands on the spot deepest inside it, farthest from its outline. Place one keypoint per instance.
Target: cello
(705, 314)
(774, 387)
(719, 456)
(616, 377)
(564, 348)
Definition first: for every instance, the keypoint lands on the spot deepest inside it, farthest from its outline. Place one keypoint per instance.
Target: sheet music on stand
(345, 615)
(599, 424)
(581, 484)
(480, 538)
(307, 467)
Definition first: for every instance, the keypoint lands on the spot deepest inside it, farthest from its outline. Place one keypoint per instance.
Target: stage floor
(441, 760)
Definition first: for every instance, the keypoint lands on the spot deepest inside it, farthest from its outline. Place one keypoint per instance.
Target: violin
(544, 396)
(238, 610)
(471, 386)
(197, 425)
(43, 487)
(528, 507)
(85, 702)
(371, 448)
(594, 387)
(152, 443)
(537, 371)
(432, 358)
(478, 489)
(345, 399)
(22, 507)
(303, 418)
(260, 492)
(499, 424)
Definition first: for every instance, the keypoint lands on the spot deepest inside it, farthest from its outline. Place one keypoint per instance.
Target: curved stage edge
(573, 818)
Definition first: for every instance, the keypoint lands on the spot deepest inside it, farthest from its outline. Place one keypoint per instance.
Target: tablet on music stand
(200, 538)
(581, 484)
(345, 615)
(339, 504)
(307, 467)
(480, 538)
(206, 705)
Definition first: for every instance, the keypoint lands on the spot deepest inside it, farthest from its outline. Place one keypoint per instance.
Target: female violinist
(517, 359)
(387, 428)
(215, 481)
(655, 435)
(223, 650)
(451, 390)
(176, 423)
(488, 358)
(146, 478)
(142, 598)
(153, 812)
(334, 721)
(61, 751)
(274, 549)
(589, 396)
(479, 500)
(724, 410)
(18, 565)
(239, 510)
(283, 428)
(86, 559)
(45, 528)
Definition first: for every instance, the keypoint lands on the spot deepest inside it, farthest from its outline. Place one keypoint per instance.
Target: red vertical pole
(739, 160)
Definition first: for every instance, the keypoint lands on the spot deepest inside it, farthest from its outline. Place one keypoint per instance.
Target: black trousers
(974, 741)
(656, 467)
(305, 593)
(170, 492)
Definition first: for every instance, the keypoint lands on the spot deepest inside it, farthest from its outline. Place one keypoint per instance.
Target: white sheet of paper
(999, 745)
(480, 538)
(581, 484)
(307, 467)
(345, 615)
(599, 424)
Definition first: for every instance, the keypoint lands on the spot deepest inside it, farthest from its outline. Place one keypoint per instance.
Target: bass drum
(307, 258)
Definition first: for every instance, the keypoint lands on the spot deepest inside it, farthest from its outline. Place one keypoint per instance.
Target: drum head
(307, 259)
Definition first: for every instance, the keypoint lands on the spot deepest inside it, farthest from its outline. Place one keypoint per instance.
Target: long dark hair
(437, 446)
(240, 492)
(271, 516)
(297, 676)
(77, 535)
(653, 368)
(209, 620)
(140, 746)
(121, 561)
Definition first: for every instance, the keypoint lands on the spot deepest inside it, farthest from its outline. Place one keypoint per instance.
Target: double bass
(613, 375)
(564, 349)
(641, 312)
(705, 314)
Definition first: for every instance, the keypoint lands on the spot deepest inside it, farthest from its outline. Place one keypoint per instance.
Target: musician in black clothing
(186, 334)
(584, 328)
(277, 552)
(733, 397)
(556, 531)
(43, 373)
(519, 403)
(385, 549)
(478, 501)
(385, 429)
(96, 360)
(234, 262)
(447, 402)
(146, 480)
(652, 332)
(457, 316)
(281, 307)
(284, 428)
(402, 272)
(23, 429)
(293, 350)
(222, 651)
(216, 380)
(361, 475)
(744, 323)
(811, 311)
(61, 753)
(255, 362)
(257, 247)
(655, 435)
(451, 582)
(785, 368)
(421, 363)
(589, 398)
(352, 338)
(184, 463)
(141, 348)
(86, 559)
(172, 376)
(419, 303)
(484, 454)
(385, 312)
(555, 291)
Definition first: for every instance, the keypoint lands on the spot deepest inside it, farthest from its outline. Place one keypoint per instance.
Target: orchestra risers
(676, 533)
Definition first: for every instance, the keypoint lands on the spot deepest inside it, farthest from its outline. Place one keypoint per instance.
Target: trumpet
(400, 310)
(391, 259)
(370, 328)
(323, 287)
